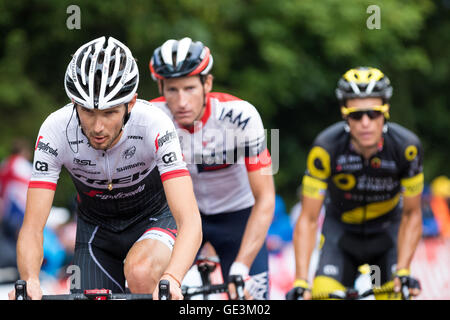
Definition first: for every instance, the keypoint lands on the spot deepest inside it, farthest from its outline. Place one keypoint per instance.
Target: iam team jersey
(219, 149)
(364, 194)
(121, 185)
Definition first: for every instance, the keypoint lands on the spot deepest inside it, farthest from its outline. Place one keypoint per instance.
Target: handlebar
(189, 292)
(95, 294)
(353, 294)
(164, 292)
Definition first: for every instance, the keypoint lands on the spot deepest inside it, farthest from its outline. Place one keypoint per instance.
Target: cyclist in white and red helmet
(223, 143)
(138, 218)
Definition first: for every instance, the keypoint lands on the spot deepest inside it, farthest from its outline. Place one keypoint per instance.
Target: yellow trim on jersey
(412, 186)
(344, 181)
(371, 211)
(313, 188)
(323, 285)
(411, 152)
(321, 241)
(319, 153)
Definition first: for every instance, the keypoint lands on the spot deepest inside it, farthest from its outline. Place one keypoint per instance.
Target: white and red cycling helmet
(179, 58)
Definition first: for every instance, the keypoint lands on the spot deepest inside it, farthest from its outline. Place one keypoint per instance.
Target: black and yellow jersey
(364, 194)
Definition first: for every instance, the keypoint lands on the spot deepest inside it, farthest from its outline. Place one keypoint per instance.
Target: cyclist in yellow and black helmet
(368, 174)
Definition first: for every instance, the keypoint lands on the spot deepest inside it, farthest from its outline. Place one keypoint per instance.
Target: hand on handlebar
(300, 291)
(174, 290)
(32, 290)
(407, 285)
(237, 280)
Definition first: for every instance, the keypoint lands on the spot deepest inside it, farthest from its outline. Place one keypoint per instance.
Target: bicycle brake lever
(239, 283)
(21, 290)
(164, 290)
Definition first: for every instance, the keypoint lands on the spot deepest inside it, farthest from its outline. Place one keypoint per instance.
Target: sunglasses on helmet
(372, 113)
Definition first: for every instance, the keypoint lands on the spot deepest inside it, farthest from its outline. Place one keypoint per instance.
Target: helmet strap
(126, 115)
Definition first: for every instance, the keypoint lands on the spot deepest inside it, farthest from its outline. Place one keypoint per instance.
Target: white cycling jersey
(219, 149)
(121, 185)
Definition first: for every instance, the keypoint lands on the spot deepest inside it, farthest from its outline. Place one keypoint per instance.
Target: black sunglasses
(372, 114)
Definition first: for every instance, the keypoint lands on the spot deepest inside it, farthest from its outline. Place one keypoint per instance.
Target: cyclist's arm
(180, 197)
(262, 185)
(305, 233)
(410, 230)
(30, 241)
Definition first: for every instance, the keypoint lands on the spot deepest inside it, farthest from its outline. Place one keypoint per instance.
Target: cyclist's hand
(174, 287)
(34, 291)
(407, 285)
(300, 291)
(238, 269)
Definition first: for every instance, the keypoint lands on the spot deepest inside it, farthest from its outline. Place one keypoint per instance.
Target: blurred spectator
(440, 201)
(15, 172)
(430, 226)
(280, 231)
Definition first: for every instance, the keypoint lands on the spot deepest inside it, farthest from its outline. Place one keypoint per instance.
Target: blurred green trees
(283, 56)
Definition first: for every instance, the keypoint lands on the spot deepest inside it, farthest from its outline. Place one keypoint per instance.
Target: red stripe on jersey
(156, 143)
(42, 185)
(159, 99)
(223, 97)
(174, 174)
(257, 162)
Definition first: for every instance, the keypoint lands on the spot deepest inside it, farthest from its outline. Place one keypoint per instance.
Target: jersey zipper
(108, 171)
(364, 218)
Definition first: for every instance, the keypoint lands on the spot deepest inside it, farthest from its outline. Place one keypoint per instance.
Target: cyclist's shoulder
(158, 100)
(401, 135)
(332, 136)
(64, 112)
(145, 111)
(229, 101)
(223, 97)
(59, 120)
(234, 112)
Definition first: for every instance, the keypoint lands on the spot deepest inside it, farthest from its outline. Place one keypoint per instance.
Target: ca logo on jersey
(41, 166)
(169, 158)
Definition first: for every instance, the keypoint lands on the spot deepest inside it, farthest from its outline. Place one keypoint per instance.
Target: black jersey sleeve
(411, 156)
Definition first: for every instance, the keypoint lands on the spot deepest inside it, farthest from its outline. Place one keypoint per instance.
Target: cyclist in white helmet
(138, 220)
(223, 142)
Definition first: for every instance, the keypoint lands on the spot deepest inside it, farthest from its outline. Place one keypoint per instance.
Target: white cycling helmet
(99, 77)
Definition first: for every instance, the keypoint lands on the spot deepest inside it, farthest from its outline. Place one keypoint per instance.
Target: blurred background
(285, 57)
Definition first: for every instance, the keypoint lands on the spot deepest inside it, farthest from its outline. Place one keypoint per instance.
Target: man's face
(101, 127)
(185, 97)
(366, 132)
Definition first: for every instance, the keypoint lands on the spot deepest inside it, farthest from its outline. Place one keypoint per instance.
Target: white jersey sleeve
(169, 158)
(49, 149)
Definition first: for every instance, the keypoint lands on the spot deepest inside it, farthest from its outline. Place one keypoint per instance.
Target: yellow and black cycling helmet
(363, 82)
